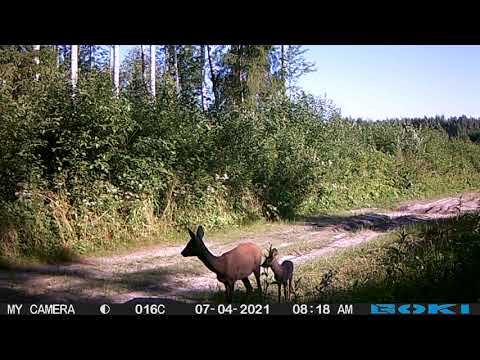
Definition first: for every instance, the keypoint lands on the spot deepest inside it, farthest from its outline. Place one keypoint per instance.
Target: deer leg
(247, 284)
(285, 291)
(279, 291)
(290, 288)
(229, 291)
(256, 272)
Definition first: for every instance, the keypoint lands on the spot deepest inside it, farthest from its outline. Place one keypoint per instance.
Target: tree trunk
(142, 56)
(239, 72)
(111, 60)
(116, 68)
(175, 65)
(74, 66)
(166, 64)
(152, 70)
(57, 55)
(212, 77)
(90, 58)
(282, 60)
(202, 77)
(36, 59)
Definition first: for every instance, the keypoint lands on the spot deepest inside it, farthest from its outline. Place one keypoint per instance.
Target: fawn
(283, 273)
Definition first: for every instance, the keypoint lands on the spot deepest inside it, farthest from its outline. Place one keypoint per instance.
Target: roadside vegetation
(96, 172)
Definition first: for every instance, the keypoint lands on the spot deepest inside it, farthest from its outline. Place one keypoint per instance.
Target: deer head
(270, 257)
(193, 247)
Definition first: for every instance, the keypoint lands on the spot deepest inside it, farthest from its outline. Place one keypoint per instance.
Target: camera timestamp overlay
(201, 309)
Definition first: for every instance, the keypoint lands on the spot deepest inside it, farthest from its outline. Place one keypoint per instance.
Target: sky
(378, 81)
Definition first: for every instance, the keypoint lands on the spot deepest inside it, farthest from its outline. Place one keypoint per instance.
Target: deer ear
(192, 234)
(200, 232)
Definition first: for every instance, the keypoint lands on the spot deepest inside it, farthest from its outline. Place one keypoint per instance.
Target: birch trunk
(175, 64)
(202, 76)
(36, 59)
(143, 64)
(57, 55)
(153, 63)
(116, 68)
(74, 66)
(90, 55)
(111, 61)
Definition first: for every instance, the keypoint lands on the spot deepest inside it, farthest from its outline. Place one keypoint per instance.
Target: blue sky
(378, 82)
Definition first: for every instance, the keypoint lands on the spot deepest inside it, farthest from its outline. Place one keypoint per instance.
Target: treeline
(462, 127)
(221, 143)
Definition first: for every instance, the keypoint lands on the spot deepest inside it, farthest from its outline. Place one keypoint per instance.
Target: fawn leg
(285, 291)
(279, 291)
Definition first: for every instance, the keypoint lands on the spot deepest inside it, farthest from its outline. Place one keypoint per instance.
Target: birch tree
(36, 59)
(152, 69)
(172, 53)
(143, 63)
(111, 61)
(57, 55)
(116, 68)
(74, 66)
(202, 76)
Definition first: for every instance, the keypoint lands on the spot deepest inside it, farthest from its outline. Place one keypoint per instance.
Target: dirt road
(161, 272)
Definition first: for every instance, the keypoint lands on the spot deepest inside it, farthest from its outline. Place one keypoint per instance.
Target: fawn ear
(200, 232)
(192, 234)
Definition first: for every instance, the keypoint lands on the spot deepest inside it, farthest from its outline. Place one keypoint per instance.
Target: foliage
(133, 162)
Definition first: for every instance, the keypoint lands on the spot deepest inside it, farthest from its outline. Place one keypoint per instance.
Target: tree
(213, 78)
(36, 60)
(116, 68)
(202, 76)
(74, 66)
(175, 68)
(153, 64)
(295, 65)
(245, 74)
(93, 57)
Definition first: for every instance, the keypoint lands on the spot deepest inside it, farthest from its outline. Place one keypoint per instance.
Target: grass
(438, 261)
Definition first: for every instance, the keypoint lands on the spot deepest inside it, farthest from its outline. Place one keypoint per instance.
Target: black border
(202, 23)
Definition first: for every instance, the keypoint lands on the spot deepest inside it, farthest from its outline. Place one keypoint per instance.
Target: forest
(223, 136)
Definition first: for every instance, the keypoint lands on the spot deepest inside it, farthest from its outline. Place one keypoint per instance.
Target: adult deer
(236, 264)
(283, 272)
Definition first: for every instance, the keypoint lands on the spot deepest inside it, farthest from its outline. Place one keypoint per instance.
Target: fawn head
(270, 257)
(193, 247)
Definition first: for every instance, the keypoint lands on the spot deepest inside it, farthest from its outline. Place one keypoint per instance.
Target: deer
(236, 264)
(283, 273)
